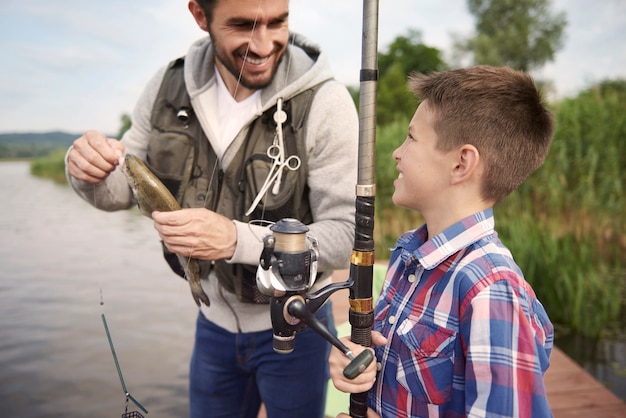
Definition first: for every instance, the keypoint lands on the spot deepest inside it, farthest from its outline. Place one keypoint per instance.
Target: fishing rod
(361, 314)
(288, 263)
(132, 414)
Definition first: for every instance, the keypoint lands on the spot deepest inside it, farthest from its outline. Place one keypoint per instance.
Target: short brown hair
(498, 110)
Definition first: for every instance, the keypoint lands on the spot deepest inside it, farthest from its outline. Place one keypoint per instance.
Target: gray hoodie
(332, 147)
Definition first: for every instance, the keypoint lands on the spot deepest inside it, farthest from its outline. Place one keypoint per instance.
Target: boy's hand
(338, 361)
(370, 414)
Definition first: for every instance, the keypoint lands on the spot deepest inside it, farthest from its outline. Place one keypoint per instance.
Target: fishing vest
(180, 154)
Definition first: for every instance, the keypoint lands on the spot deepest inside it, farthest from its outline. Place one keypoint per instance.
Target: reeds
(51, 166)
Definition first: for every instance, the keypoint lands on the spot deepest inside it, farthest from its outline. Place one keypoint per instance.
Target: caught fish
(152, 195)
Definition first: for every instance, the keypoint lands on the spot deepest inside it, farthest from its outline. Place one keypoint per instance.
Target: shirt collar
(433, 252)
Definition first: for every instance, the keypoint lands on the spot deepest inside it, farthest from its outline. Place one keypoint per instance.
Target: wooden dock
(572, 391)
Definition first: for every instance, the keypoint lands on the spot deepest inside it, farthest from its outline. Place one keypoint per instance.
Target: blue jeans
(231, 374)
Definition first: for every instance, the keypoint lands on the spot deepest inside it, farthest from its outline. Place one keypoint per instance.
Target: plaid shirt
(467, 335)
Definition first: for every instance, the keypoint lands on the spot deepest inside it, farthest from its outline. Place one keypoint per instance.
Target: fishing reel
(287, 272)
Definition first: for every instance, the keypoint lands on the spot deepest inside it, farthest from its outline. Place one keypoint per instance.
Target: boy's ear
(466, 163)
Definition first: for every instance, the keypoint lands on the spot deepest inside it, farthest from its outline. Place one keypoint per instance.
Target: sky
(74, 65)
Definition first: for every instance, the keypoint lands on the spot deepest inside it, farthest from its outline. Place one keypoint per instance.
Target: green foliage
(405, 55)
(523, 34)
(126, 123)
(394, 101)
(411, 54)
(590, 149)
(389, 137)
(391, 220)
(51, 166)
(579, 287)
(566, 223)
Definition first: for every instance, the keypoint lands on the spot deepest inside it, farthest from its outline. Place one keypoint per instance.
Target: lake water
(59, 257)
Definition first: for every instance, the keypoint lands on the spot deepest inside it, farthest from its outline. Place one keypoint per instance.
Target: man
(205, 125)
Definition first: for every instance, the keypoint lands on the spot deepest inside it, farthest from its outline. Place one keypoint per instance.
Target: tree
(405, 55)
(523, 34)
(126, 122)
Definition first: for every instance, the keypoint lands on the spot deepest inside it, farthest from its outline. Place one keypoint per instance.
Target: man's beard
(239, 74)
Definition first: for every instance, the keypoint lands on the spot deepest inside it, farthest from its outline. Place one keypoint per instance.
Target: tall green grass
(51, 166)
(565, 224)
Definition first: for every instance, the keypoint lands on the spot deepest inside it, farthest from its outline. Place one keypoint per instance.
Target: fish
(152, 195)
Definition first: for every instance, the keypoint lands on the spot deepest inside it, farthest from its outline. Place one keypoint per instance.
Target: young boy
(457, 330)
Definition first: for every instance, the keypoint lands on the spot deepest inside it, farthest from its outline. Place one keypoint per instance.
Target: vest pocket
(170, 158)
(272, 206)
(426, 360)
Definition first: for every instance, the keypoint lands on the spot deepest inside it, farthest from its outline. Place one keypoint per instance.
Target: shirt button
(379, 366)
(392, 319)
(412, 278)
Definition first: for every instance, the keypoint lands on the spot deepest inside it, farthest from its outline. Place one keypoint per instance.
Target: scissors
(276, 152)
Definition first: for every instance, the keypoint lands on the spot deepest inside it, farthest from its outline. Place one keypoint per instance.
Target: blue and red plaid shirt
(467, 335)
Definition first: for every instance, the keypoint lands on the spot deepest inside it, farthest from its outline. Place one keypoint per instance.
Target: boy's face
(424, 170)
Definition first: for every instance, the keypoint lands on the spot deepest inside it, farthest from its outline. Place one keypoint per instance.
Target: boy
(457, 330)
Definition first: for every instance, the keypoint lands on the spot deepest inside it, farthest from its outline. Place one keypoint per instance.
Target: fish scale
(152, 195)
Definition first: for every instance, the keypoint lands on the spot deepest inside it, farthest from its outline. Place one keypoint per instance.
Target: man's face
(249, 37)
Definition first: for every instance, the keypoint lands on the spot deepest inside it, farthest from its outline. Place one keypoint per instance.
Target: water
(58, 255)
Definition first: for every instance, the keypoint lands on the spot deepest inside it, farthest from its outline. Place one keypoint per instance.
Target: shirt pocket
(426, 360)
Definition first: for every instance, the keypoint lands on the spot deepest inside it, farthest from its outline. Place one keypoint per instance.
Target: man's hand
(197, 232)
(93, 157)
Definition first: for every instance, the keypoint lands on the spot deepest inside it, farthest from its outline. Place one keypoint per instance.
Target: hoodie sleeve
(113, 193)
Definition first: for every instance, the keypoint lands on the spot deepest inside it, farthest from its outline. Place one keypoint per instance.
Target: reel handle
(357, 365)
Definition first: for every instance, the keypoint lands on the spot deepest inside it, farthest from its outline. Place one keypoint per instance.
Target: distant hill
(29, 145)
(61, 138)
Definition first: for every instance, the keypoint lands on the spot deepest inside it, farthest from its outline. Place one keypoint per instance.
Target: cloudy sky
(73, 65)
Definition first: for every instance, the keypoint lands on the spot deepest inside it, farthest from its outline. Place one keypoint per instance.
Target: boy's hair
(496, 109)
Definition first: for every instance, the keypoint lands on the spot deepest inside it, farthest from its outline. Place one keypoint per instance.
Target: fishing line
(245, 55)
(291, 42)
(256, 18)
(279, 117)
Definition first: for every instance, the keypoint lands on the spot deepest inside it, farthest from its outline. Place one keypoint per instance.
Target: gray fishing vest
(180, 154)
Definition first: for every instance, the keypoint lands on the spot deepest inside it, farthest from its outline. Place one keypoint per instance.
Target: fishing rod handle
(361, 317)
